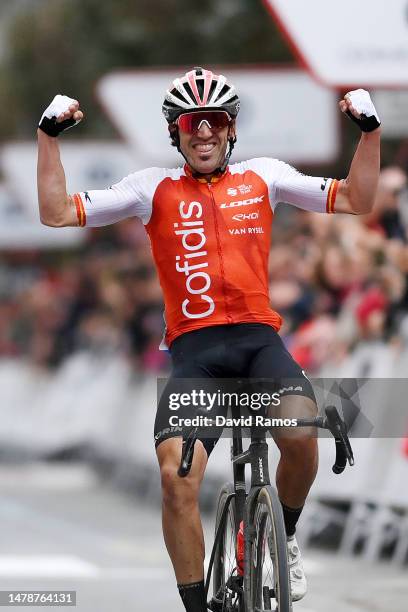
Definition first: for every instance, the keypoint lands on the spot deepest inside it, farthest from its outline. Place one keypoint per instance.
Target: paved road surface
(60, 528)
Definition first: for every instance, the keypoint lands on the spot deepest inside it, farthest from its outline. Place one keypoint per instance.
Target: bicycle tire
(225, 554)
(268, 562)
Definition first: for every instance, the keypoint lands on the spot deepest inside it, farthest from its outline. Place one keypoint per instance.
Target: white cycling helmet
(200, 89)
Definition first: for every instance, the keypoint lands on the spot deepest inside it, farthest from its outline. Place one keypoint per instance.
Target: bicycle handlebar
(332, 421)
(338, 429)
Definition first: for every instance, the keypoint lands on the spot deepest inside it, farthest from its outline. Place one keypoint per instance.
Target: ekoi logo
(246, 216)
(194, 258)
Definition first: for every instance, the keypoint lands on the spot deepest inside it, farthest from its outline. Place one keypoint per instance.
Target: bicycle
(264, 580)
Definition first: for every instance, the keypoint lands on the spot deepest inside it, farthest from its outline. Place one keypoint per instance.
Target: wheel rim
(264, 573)
(264, 569)
(228, 551)
(228, 565)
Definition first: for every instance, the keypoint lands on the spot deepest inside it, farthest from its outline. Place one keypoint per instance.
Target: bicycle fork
(257, 456)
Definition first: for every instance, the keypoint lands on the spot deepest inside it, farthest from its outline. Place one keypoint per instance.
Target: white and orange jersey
(210, 241)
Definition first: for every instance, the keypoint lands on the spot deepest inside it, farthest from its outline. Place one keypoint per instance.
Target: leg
(296, 470)
(182, 528)
(197, 358)
(298, 463)
(297, 467)
(295, 474)
(298, 447)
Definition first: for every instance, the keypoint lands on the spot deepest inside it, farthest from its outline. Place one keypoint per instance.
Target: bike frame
(257, 456)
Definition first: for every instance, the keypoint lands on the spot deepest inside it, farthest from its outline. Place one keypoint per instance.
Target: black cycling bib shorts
(239, 351)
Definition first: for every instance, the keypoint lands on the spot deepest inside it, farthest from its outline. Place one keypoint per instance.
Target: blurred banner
(284, 114)
(95, 406)
(88, 165)
(392, 107)
(348, 44)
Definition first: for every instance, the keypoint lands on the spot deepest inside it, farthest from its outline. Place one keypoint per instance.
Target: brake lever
(344, 453)
(347, 447)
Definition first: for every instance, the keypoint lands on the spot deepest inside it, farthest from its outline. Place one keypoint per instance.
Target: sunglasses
(192, 122)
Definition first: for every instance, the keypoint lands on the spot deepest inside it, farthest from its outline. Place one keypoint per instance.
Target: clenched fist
(62, 114)
(359, 107)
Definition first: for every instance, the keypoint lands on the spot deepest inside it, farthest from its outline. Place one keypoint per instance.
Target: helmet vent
(177, 94)
(224, 90)
(213, 86)
(189, 90)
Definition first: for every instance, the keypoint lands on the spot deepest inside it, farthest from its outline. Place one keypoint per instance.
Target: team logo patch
(241, 189)
(244, 188)
(257, 200)
(232, 192)
(246, 216)
(324, 183)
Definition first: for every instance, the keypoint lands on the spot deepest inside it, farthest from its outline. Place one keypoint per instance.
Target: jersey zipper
(220, 255)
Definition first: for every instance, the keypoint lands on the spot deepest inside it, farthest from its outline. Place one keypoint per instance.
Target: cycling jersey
(210, 241)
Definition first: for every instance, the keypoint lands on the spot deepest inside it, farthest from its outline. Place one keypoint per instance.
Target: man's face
(205, 150)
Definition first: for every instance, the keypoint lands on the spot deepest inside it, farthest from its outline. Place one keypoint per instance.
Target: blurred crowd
(104, 298)
(340, 281)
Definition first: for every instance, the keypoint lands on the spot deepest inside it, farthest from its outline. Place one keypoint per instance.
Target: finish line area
(64, 529)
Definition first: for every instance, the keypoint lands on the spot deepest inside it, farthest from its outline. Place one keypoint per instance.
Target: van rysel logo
(248, 202)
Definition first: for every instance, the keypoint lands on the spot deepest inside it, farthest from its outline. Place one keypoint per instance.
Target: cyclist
(209, 224)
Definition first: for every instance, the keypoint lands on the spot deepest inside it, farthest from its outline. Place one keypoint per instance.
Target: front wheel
(267, 576)
(227, 584)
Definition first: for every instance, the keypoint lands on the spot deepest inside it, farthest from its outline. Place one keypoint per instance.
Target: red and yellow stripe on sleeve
(80, 210)
(331, 196)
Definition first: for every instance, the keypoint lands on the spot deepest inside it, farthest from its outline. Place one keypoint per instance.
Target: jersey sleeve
(286, 184)
(131, 197)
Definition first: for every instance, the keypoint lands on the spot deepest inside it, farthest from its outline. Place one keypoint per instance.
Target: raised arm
(356, 193)
(130, 197)
(57, 208)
